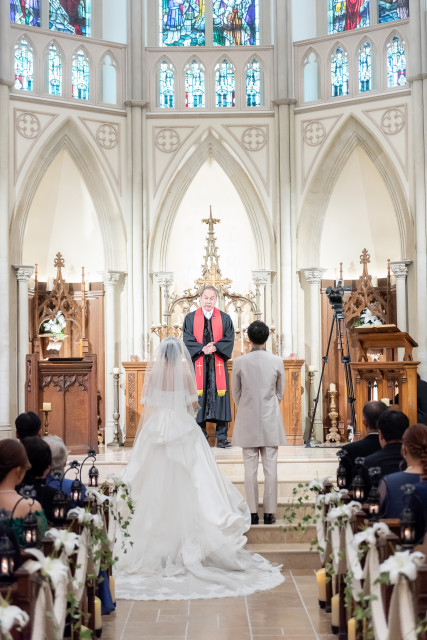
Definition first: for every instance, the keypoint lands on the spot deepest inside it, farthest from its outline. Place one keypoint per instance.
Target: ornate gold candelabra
(163, 331)
(334, 434)
(47, 408)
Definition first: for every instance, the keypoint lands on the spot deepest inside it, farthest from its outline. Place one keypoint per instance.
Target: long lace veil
(169, 381)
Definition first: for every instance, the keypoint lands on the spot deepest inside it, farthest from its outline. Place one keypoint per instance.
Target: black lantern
(342, 475)
(76, 490)
(93, 476)
(30, 527)
(59, 506)
(358, 484)
(374, 494)
(7, 562)
(408, 530)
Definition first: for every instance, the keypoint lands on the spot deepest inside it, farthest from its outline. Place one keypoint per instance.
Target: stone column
(400, 271)
(110, 278)
(23, 274)
(6, 82)
(312, 279)
(165, 280)
(261, 279)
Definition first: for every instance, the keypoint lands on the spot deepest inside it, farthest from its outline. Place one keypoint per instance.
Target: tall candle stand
(311, 374)
(116, 413)
(334, 434)
(46, 421)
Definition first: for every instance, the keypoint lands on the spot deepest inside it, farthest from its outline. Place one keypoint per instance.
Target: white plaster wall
(360, 215)
(235, 242)
(62, 218)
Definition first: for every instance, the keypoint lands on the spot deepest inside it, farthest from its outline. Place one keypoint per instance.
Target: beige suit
(258, 384)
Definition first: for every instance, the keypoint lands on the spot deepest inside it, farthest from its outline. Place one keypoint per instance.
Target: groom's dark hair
(258, 332)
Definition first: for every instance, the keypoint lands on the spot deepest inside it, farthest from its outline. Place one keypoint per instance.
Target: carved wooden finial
(341, 271)
(365, 259)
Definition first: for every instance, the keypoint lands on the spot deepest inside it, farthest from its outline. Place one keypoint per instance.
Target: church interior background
(300, 126)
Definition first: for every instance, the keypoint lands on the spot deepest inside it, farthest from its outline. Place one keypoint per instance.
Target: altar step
(290, 555)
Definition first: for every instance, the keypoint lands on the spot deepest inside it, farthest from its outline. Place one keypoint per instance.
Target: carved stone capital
(400, 268)
(261, 277)
(23, 272)
(164, 278)
(111, 278)
(314, 275)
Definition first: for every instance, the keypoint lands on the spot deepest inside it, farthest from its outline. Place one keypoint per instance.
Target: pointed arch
(352, 133)
(211, 146)
(364, 62)
(81, 74)
(165, 78)
(69, 136)
(310, 71)
(53, 72)
(340, 72)
(225, 83)
(108, 74)
(25, 63)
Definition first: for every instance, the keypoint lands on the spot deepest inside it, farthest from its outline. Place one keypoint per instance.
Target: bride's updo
(415, 441)
(170, 350)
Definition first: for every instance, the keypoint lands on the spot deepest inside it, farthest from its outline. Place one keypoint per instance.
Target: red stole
(198, 327)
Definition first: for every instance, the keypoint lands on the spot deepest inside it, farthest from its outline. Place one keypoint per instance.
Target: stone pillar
(6, 82)
(261, 279)
(110, 278)
(23, 274)
(313, 357)
(165, 280)
(400, 271)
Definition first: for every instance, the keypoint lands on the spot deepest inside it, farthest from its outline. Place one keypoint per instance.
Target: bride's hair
(169, 350)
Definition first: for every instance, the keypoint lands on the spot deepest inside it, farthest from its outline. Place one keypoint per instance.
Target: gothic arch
(68, 136)
(179, 182)
(313, 211)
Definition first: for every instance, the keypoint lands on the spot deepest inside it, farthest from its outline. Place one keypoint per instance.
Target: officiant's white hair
(207, 287)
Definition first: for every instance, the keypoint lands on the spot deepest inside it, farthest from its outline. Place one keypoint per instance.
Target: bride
(187, 529)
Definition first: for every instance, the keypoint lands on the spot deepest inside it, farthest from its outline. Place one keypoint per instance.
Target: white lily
(11, 616)
(80, 514)
(371, 534)
(54, 568)
(97, 521)
(343, 511)
(65, 539)
(99, 497)
(402, 563)
(333, 497)
(315, 485)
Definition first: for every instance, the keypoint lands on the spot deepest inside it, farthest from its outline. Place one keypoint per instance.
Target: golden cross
(199, 365)
(219, 367)
(211, 221)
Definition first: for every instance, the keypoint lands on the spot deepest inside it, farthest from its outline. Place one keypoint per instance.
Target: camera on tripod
(335, 295)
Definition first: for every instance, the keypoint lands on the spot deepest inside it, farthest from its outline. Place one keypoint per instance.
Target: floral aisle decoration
(11, 617)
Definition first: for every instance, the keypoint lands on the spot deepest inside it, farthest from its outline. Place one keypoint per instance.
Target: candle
(116, 370)
(98, 621)
(335, 610)
(113, 588)
(386, 401)
(351, 629)
(332, 387)
(47, 406)
(321, 585)
(311, 368)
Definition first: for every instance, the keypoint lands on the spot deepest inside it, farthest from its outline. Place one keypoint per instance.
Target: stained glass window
(339, 73)
(24, 66)
(80, 76)
(254, 77)
(396, 63)
(182, 23)
(70, 16)
(235, 22)
(25, 12)
(194, 85)
(365, 67)
(166, 85)
(225, 88)
(54, 71)
(388, 11)
(346, 15)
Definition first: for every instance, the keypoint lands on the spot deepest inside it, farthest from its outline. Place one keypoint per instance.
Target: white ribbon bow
(402, 563)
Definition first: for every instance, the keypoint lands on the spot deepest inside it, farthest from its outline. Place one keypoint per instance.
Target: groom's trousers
(269, 463)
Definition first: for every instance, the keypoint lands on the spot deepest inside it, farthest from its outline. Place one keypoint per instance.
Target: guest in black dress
(40, 458)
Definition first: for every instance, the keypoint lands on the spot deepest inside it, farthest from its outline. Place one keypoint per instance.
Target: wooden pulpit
(379, 375)
(290, 405)
(69, 385)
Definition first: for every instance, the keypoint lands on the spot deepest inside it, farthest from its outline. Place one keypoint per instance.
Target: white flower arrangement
(64, 539)
(402, 563)
(55, 325)
(11, 616)
(367, 319)
(52, 568)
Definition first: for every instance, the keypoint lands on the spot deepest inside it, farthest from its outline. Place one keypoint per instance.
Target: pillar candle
(335, 610)
(332, 387)
(113, 588)
(351, 629)
(321, 584)
(98, 621)
(47, 406)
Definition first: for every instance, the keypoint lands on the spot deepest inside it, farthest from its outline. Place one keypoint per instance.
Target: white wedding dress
(189, 521)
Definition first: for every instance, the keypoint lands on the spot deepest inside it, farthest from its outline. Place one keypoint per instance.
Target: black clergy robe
(213, 407)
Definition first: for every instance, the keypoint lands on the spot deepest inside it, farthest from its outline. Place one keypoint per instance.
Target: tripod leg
(345, 358)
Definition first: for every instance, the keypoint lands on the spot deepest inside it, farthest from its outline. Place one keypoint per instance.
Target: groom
(208, 334)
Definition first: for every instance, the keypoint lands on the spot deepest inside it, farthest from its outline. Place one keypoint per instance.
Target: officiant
(208, 334)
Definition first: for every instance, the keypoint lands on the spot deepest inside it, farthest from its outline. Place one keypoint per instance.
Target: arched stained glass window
(182, 23)
(54, 71)
(365, 67)
(25, 12)
(166, 85)
(311, 77)
(346, 15)
(80, 76)
(235, 22)
(392, 10)
(24, 66)
(194, 85)
(225, 87)
(70, 16)
(396, 63)
(254, 88)
(339, 73)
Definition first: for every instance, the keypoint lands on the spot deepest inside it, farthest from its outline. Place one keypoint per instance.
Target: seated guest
(13, 465)
(59, 460)
(414, 451)
(27, 425)
(391, 426)
(40, 458)
(371, 442)
(421, 400)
